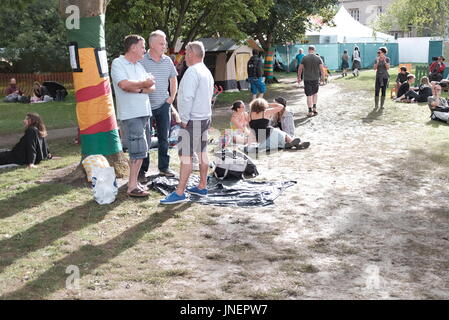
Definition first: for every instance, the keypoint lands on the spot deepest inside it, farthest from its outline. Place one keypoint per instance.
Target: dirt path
(367, 219)
(11, 139)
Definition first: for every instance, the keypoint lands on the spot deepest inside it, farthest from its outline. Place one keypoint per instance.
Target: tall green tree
(185, 19)
(33, 36)
(288, 20)
(423, 15)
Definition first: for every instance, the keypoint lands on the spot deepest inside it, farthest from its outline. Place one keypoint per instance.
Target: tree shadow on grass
(89, 257)
(41, 235)
(32, 197)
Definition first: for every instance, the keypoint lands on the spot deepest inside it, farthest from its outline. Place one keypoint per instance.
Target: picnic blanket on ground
(223, 193)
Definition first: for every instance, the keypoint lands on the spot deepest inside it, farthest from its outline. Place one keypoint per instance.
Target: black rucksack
(255, 67)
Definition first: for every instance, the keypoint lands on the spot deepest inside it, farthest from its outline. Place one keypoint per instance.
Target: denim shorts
(137, 137)
(257, 85)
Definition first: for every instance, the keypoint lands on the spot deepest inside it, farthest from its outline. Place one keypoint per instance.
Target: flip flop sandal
(310, 114)
(303, 146)
(295, 143)
(315, 112)
(137, 193)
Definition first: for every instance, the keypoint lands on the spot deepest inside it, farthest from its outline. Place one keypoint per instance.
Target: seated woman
(438, 106)
(32, 147)
(437, 69)
(270, 138)
(424, 92)
(240, 131)
(284, 118)
(40, 93)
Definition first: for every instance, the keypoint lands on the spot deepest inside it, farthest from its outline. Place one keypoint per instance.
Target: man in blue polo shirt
(165, 74)
(132, 84)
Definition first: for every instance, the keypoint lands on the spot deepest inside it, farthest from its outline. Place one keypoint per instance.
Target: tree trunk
(95, 106)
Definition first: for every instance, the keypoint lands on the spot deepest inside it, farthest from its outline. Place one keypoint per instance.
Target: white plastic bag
(104, 185)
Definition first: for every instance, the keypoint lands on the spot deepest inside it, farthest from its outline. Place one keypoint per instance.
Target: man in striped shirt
(165, 74)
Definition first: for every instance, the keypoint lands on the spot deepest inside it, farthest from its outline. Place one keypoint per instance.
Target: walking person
(255, 75)
(381, 65)
(132, 84)
(344, 63)
(195, 109)
(356, 61)
(299, 57)
(313, 69)
(165, 74)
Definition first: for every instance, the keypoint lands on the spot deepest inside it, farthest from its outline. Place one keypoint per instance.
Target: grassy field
(56, 115)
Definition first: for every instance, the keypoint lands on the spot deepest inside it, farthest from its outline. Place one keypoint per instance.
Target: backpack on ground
(233, 164)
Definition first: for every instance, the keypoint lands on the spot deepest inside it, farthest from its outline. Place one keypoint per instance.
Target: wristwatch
(141, 90)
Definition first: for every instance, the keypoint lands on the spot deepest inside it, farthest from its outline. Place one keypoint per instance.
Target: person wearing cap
(312, 71)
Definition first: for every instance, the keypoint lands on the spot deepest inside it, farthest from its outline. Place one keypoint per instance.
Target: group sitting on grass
(268, 126)
(32, 147)
(14, 94)
(408, 93)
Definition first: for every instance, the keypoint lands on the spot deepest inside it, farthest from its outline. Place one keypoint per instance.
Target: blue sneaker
(197, 191)
(174, 198)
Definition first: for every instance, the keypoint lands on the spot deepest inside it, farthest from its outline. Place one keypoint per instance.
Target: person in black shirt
(405, 87)
(255, 75)
(32, 147)
(422, 94)
(401, 78)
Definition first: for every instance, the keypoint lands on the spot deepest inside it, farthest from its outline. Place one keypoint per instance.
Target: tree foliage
(423, 15)
(33, 37)
(288, 20)
(184, 19)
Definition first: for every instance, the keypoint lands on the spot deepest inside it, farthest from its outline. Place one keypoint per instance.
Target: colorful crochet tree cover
(95, 106)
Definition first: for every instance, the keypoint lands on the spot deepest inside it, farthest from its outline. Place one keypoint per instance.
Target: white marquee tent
(347, 29)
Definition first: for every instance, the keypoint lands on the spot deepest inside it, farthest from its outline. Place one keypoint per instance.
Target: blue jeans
(162, 118)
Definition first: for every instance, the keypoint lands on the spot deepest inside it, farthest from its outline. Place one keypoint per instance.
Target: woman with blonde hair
(32, 147)
(424, 92)
(270, 138)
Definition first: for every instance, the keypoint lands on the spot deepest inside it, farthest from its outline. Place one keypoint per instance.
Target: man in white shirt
(195, 109)
(132, 84)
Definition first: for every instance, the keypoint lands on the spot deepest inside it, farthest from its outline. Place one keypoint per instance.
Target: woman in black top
(381, 65)
(32, 147)
(424, 92)
(270, 138)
